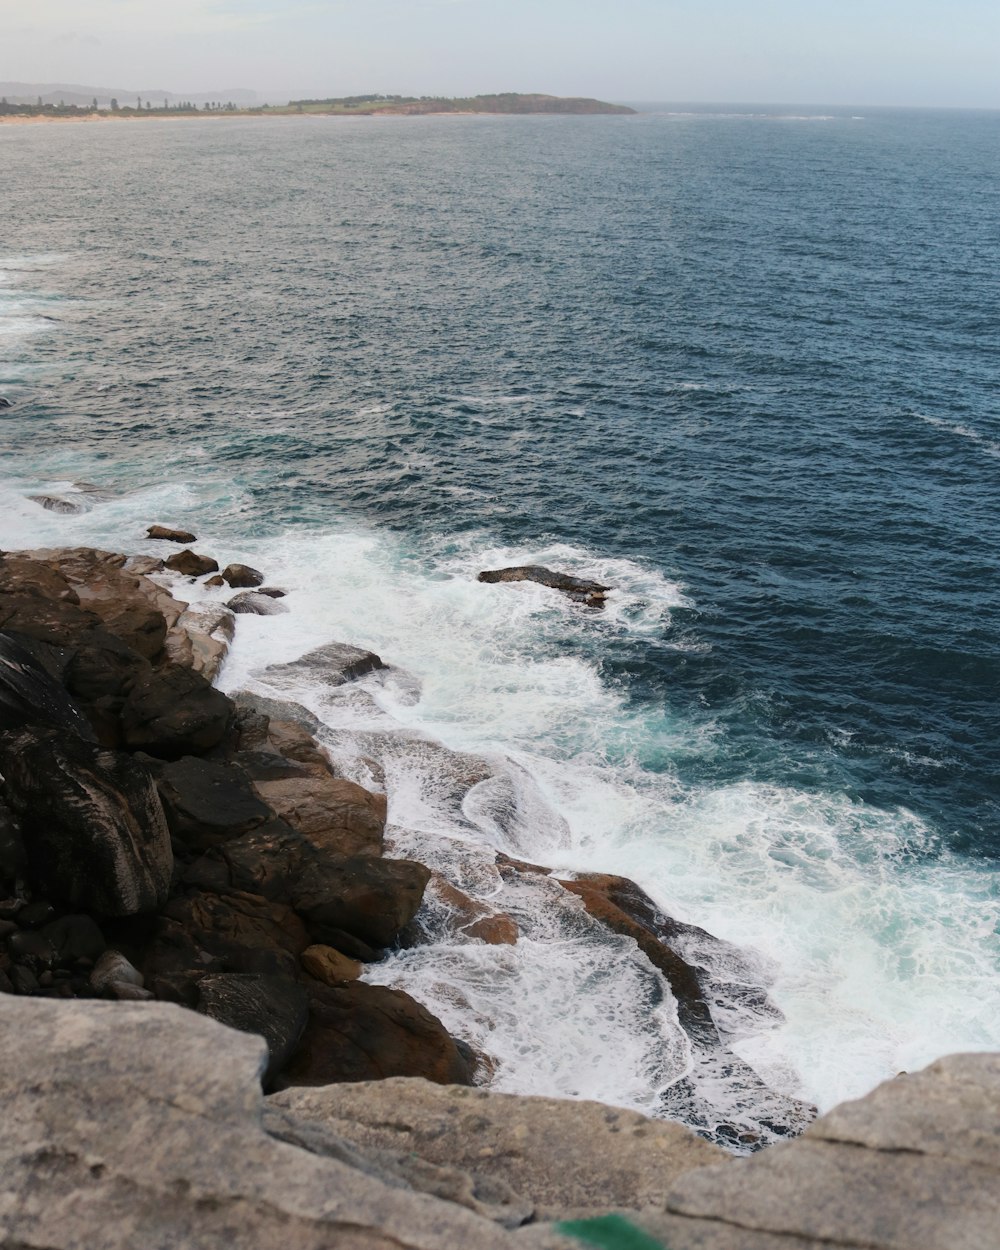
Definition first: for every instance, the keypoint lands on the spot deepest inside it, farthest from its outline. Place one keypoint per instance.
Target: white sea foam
(988, 446)
(495, 731)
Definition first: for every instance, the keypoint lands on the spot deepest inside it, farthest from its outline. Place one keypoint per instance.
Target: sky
(893, 52)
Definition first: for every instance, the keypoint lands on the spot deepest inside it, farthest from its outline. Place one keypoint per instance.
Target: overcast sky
(922, 52)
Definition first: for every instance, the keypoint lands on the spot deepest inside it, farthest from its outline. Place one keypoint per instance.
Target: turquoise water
(741, 367)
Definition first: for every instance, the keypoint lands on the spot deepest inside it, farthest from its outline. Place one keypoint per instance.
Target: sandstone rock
(333, 664)
(370, 898)
(255, 603)
(190, 564)
(240, 575)
(329, 965)
(29, 695)
(360, 1032)
(456, 912)
(94, 830)
(166, 534)
(207, 801)
(215, 581)
(173, 712)
(205, 932)
(579, 589)
(566, 1158)
(201, 637)
(294, 741)
(275, 1008)
(140, 1125)
(336, 815)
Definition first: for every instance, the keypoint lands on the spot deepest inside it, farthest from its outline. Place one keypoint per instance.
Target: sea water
(739, 366)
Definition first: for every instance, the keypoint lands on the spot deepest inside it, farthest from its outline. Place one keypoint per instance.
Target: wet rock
(272, 592)
(565, 1158)
(336, 815)
(113, 970)
(333, 665)
(56, 503)
(276, 1008)
(242, 575)
(94, 831)
(166, 534)
(329, 965)
(5, 403)
(103, 667)
(190, 564)
(207, 802)
(370, 898)
(293, 741)
(175, 711)
(215, 581)
(30, 696)
(359, 1032)
(255, 603)
(451, 910)
(579, 589)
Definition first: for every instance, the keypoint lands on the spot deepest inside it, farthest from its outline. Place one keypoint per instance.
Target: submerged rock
(333, 665)
(5, 403)
(579, 589)
(56, 503)
(255, 603)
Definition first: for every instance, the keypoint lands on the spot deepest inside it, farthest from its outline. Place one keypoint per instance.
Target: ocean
(739, 364)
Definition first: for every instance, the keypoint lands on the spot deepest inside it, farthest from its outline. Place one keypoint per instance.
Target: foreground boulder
(139, 1125)
(567, 1159)
(93, 829)
(174, 711)
(579, 589)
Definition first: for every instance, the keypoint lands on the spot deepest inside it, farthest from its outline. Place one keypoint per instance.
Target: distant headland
(509, 102)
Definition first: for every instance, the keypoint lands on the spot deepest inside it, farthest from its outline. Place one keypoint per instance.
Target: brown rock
(360, 1032)
(190, 564)
(170, 535)
(371, 898)
(215, 581)
(293, 740)
(337, 816)
(329, 965)
(462, 914)
(242, 575)
(173, 712)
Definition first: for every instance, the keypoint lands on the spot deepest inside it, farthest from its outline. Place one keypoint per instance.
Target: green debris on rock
(610, 1232)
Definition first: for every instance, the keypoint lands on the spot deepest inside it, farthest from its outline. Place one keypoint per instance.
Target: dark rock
(169, 535)
(10, 907)
(190, 564)
(174, 711)
(215, 581)
(208, 802)
(336, 815)
(103, 666)
(36, 915)
(12, 860)
(7, 927)
(6, 984)
(29, 696)
(53, 503)
(204, 932)
(32, 949)
(272, 592)
(94, 831)
(255, 603)
(359, 1032)
(367, 897)
(76, 939)
(274, 1007)
(333, 665)
(23, 980)
(5, 403)
(241, 575)
(579, 589)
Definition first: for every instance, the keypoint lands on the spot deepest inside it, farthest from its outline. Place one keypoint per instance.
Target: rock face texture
(139, 1125)
(913, 1166)
(579, 589)
(94, 830)
(566, 1159)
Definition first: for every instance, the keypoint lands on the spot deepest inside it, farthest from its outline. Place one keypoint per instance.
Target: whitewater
(856, 912)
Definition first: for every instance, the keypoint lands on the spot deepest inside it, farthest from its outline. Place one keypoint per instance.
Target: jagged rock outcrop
(93, 829)
(165, 534)
(334, 664)
(242, 575)
(190, 564)
(579, 589)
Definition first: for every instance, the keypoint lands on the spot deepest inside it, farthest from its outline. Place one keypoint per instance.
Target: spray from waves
(493, 731)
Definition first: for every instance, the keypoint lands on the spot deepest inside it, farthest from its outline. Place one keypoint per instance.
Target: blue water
(745, 363)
